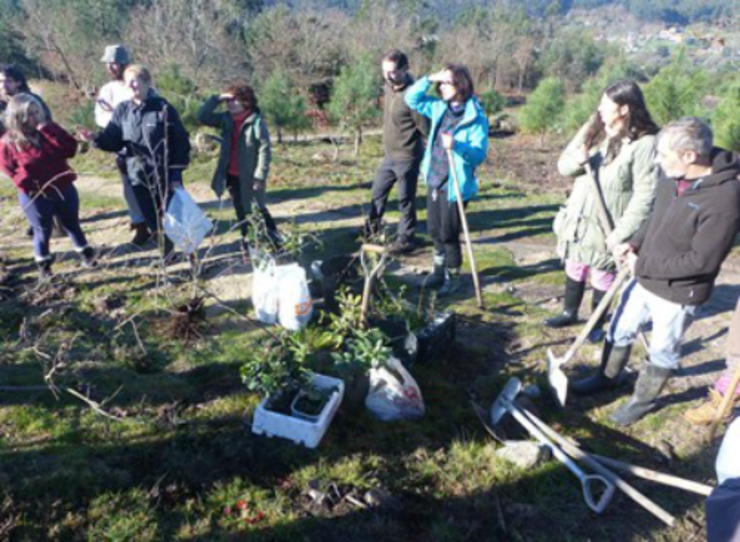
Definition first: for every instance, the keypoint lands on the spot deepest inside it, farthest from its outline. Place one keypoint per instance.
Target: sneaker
(89, 257)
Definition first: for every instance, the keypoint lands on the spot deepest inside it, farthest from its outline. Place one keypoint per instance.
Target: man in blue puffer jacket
(457, 123)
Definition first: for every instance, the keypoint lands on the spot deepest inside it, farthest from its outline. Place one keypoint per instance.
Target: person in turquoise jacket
(458, 123)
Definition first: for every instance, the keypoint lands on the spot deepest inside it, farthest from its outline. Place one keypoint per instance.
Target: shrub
(539, 115)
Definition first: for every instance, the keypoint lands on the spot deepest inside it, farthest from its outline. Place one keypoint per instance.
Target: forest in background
(304, 54)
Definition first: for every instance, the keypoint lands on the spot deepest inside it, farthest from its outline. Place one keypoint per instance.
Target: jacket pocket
(559, 223)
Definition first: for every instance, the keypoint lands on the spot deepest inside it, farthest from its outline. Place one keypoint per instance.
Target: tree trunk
(358, 140)
(279, 134)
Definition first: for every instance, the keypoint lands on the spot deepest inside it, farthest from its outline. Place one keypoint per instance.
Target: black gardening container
(423, 345)
(335, 272)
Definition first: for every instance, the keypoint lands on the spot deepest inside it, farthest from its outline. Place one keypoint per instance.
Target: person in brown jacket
(704, 413)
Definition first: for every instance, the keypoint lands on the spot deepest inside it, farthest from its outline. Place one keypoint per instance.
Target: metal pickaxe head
(501, 405)
(556, 378)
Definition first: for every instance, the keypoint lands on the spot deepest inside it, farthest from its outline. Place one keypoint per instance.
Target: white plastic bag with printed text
(394, 394)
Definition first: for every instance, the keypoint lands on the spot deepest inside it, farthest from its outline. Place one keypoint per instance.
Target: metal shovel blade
(556, 378)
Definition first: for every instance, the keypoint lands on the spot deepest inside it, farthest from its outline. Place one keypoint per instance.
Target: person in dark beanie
(116, 59)
(458, 124)
(34, 152)
(675, 257)
(617, 143)
(404, 133)
(244, 161)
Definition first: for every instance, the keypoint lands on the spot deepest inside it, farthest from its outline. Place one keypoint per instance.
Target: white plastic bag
(265, 292)
(294, 300)
(185, 223)
(394, 394)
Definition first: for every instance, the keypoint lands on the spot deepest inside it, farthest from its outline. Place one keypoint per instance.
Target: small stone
(380, 498)
(524, 454)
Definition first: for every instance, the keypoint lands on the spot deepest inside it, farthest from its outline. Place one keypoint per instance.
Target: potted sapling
(277, 370)
(365, 349)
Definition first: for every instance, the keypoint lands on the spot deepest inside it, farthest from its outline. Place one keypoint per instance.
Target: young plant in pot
(276, 370)
(365, 349)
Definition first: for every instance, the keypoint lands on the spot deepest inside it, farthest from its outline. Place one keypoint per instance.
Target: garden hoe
(504, 404)
(466, 231)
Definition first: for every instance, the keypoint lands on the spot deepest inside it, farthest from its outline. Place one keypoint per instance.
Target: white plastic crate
(275, 424)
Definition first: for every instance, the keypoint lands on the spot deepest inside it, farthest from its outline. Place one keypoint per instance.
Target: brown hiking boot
(704, 413)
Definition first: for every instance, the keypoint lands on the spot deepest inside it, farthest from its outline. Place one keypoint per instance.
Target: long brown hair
(639, 122)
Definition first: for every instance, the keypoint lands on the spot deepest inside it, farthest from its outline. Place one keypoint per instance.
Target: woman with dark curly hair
(244, 162)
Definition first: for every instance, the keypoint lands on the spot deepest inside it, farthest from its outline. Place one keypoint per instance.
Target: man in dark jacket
(404, 132)
(675, 257)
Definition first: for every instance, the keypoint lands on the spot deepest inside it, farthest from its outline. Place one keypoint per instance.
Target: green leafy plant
(266, 244)
(347, 321)
(366, 349)
(543, 107)
(277, 365)
(312, 399)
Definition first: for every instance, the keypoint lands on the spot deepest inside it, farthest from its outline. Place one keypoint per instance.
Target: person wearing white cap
(116, 59)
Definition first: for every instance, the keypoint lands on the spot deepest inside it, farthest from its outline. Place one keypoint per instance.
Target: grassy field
(162, 450)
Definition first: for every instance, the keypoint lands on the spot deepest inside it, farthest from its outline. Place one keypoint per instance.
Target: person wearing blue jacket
(458, 123)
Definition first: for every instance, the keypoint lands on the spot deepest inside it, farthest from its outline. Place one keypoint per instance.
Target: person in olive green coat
(244, 162)
(618, 145)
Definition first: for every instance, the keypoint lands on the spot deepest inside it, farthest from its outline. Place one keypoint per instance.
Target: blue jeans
(40, 211)
(637, 307)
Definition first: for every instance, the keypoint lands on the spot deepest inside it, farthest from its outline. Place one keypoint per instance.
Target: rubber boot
(142, 234)
(597, 333)
(451, 284)
(571, 303)
(613, 361)
(437, 278)
(649, 385)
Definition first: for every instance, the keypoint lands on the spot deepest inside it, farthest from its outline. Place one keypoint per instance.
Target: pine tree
(354, 100)
(539, 115)
(283, 106)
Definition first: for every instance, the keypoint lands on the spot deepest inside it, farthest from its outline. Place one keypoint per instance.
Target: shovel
(590, 483)
(555, 375)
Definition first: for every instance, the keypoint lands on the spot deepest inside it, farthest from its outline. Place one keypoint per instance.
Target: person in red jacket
(34, 153)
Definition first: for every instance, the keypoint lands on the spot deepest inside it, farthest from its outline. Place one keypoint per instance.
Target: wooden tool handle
(589, 460)
(724, 405)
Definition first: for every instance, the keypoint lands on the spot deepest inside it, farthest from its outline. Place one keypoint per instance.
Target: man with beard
(404, 132)
(116, 59)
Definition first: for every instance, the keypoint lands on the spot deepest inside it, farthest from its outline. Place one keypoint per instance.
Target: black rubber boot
(597, 333)
(572, 301)
(142, 234)
(437, 278)
(613, 361)
(452, 283)
(649, 385)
